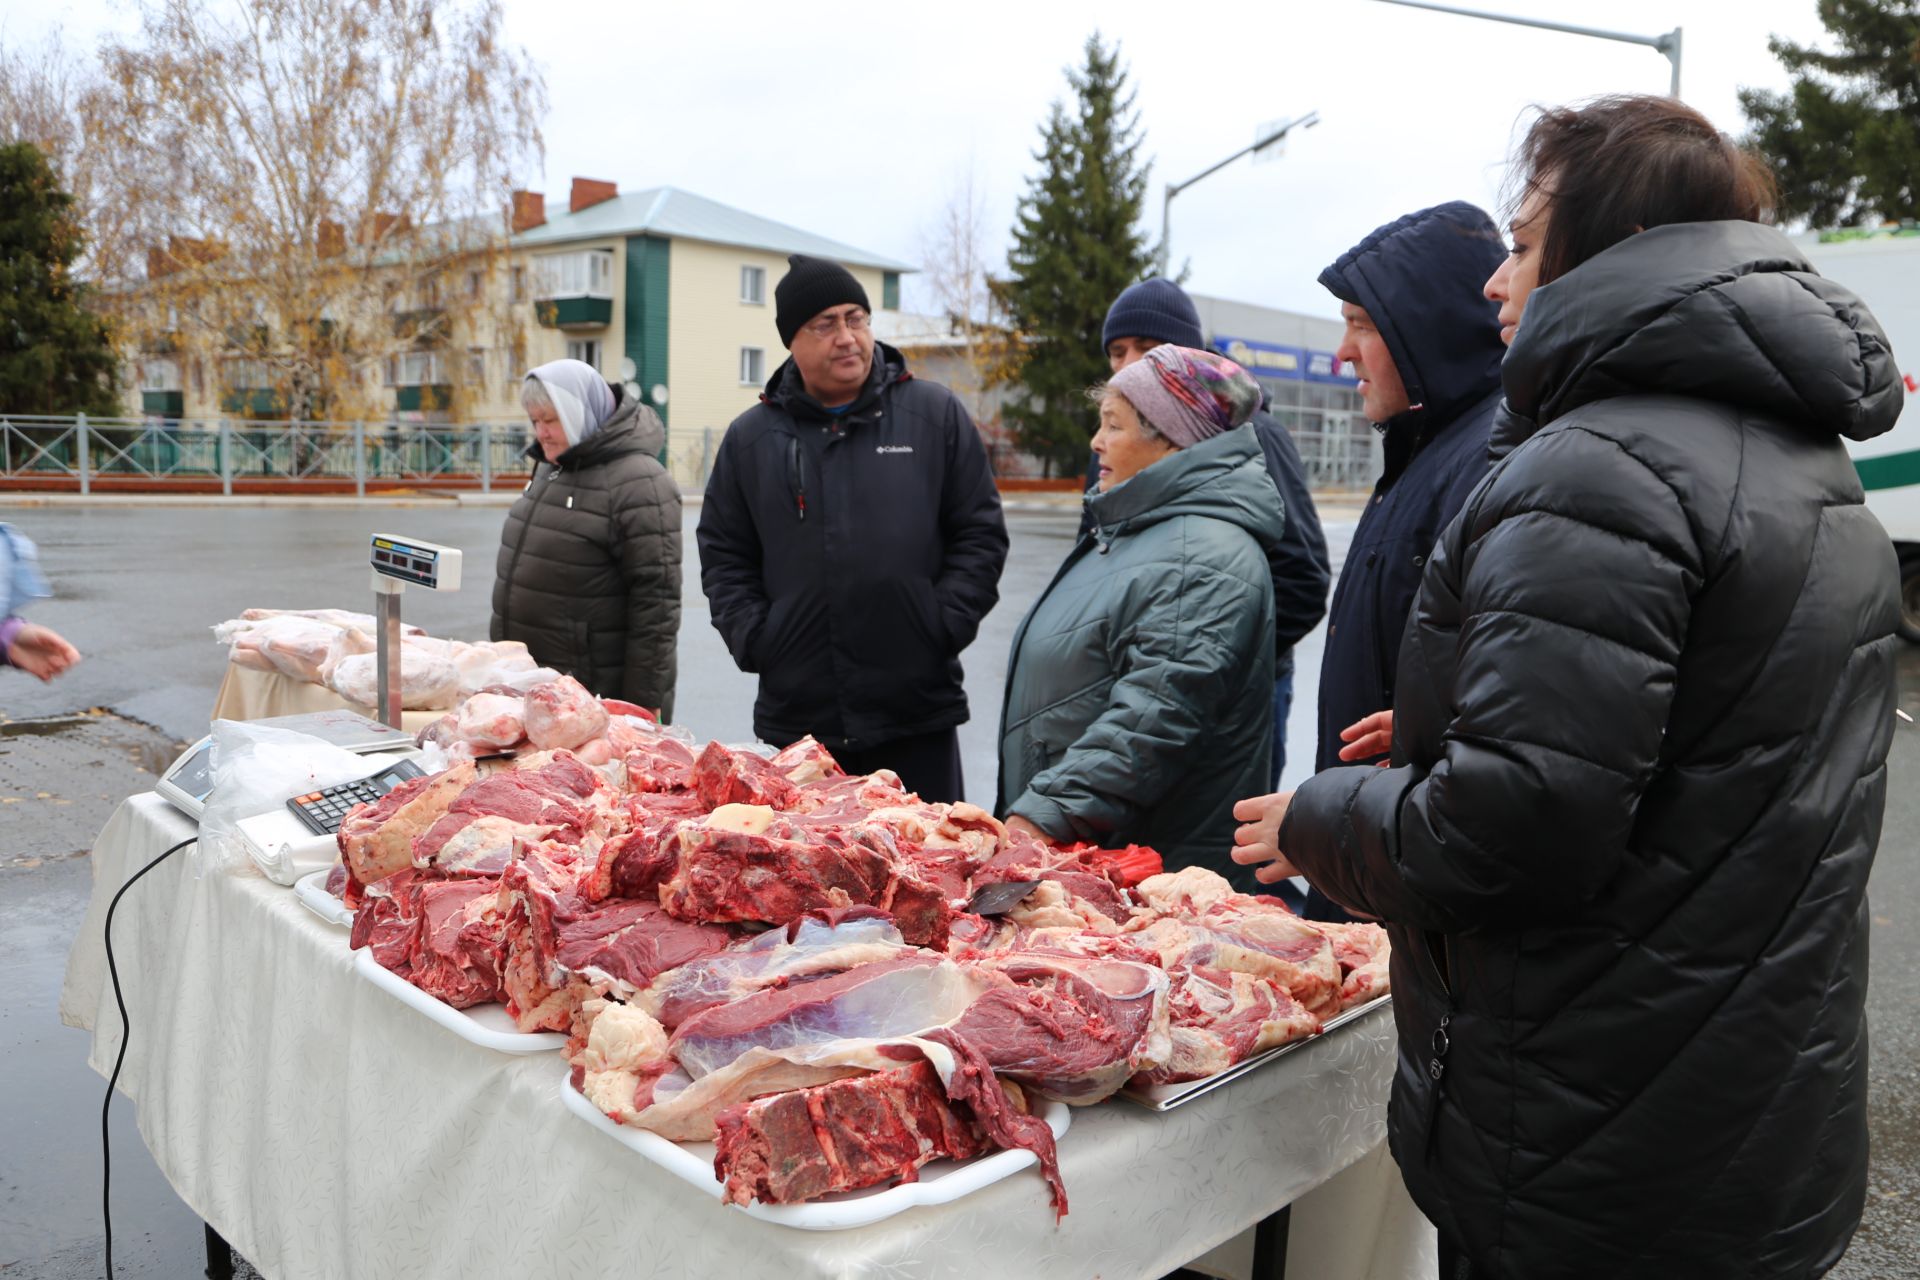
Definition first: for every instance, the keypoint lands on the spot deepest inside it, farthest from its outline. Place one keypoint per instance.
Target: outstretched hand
(1367, 738)
(41, 651)
(1258, 841)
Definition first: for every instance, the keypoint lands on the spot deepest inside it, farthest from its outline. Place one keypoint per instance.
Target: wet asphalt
(138, 589)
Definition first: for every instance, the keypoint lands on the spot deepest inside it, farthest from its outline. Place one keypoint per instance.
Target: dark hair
(1627, 162)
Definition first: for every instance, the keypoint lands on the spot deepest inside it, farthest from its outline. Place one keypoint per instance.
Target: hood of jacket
(1724, 311)
(787, 390)
(1420, 279)
(633, 428)
(1224, 477)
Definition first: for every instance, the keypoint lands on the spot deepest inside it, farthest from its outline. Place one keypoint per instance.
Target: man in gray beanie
(1158, 312)
(851, 541)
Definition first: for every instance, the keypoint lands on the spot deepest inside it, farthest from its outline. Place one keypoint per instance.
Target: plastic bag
(256, 769)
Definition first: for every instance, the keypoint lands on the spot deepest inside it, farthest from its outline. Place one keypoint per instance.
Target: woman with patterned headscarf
(1140, 686)
(589, 570)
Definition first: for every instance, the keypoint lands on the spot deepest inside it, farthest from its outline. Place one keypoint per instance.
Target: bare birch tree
(301, 189)
(957, 263)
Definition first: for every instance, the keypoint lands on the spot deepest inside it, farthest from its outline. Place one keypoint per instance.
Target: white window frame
(417, 369)
(585, 350)
(753, 366)
(476, 366)
(753, 285)
(246, 373)
(587, 273)
(160, 375)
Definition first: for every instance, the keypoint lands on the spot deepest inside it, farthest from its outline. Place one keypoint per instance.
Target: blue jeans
(1282, 703)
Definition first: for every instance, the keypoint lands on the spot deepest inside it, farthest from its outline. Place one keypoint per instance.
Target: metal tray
(1165, 1097)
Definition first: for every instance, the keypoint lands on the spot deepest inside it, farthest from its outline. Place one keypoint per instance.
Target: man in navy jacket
(851, 541)
(1155, 312)
(1426, 344)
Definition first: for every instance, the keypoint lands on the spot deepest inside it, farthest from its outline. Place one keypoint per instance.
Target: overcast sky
(858, 121)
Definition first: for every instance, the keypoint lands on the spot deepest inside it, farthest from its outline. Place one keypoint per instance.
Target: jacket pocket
(769, 640)
(584, 668)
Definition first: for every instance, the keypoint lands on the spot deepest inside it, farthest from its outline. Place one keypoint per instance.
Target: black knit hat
(1157, 309)
(810, 286)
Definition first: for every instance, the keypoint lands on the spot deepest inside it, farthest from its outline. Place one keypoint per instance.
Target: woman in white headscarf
(589, 569)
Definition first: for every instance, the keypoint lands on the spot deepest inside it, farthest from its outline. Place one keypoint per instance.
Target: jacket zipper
(797, 478)
(1441, 1040)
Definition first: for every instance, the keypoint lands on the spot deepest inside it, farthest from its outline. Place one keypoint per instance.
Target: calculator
(321, 811)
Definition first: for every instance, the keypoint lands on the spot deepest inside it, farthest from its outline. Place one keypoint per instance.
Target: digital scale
(188, 780)
(396, 563)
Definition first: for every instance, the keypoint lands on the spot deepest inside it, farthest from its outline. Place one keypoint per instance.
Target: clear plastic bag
(257, 769)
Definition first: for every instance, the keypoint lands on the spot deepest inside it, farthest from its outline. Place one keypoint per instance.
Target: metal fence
(230, 455)
(238, 456)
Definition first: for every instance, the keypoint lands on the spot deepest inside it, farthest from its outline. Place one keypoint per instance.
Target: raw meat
(819, 943)
(660, 764)
(376, 840)
(898, 997)
(446, 937)
(428, 681)
(561, 713)
(852, 1133)
(1364, 956)
(303, 649)
(1221, 1017)
(1072, 1026)
(478, 830)
(724, 776)
(624, 1055)
(491, 720)
(636, 863)
(807, 761)
(1200, 920)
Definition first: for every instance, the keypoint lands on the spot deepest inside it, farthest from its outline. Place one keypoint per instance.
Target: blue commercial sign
(1273, 360)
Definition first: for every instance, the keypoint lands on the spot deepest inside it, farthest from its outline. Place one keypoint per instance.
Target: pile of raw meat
(780, 958)
(336, 648)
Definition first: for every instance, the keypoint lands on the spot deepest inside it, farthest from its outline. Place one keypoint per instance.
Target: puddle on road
(61, 778)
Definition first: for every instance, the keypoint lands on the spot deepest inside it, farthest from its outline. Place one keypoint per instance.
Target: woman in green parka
(1140, 686)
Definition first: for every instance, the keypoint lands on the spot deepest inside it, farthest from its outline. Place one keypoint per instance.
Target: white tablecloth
(327, 1130)
(246, 694)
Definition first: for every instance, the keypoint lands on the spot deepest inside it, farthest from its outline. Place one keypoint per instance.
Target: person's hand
(1367, 738)
(41, 651)
(1017, 824)
(1259, 840)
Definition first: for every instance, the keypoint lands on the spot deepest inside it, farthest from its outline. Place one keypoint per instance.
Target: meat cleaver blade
(998, 899)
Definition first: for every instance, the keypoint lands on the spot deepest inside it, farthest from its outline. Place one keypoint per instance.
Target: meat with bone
(852, 1133)
(635, 863)
(562, 713)
(1201, 921)
(446, 937)
(660, 764)
(1221, 1017)
(1363, 953)
(749, 863)
(477, 832)
(376, 840)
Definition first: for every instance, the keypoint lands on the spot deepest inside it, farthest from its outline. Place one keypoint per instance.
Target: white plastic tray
(941, 1181)
(311, 889)
(1165, 1097)
(486, 1025)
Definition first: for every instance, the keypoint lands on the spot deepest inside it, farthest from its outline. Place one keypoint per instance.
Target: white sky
(857, 122)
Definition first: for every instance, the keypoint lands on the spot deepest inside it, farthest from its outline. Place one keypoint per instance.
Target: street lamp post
(1668, 43)
(1306, 121)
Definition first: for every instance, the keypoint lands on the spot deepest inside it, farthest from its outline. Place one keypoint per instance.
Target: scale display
(423, 564)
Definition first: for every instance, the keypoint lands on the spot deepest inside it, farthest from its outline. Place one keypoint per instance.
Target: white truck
(1882, 265)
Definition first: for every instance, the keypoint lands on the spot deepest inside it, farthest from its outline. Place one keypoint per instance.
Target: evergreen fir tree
(55, 354)
(1844, 142)
(1076, 244)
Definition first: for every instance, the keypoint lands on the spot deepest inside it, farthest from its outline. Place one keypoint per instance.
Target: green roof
(668, 211)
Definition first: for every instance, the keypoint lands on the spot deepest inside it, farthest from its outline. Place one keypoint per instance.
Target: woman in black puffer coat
(589, 570)
(1639, 745)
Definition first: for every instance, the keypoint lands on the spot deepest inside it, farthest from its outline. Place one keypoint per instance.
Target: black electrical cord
(106, 1148)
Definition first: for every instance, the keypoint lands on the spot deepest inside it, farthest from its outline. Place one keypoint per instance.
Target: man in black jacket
(1426, 344)
(1156, 312)
(851, 541)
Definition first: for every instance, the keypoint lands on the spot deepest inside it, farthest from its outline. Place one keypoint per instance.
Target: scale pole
(386, 598)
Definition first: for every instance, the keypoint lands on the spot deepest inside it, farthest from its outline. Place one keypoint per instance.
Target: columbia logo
(894, 448)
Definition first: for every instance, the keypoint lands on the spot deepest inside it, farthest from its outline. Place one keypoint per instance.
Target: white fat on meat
(1186, 892)
(490, 720)
(625, 1052)
(743, 819)
(562, 713)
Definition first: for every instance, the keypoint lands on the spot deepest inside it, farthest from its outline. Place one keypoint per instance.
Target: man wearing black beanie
(851, 541)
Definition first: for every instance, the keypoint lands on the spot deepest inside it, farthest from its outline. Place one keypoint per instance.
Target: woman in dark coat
(1140, 686)
(1639, 744)
(589, 569)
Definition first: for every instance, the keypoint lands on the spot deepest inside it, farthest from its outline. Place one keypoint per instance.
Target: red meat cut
(842, 1136)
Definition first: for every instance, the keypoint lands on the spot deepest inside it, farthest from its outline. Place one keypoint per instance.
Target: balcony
(163, 404)
(573, 313)
(422, 397)
(253, 402)
(574, 290)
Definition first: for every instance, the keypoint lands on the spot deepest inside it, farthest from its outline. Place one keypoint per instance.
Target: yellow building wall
(708, 324)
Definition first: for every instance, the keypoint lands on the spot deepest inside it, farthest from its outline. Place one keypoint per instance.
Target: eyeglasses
(827, 326)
